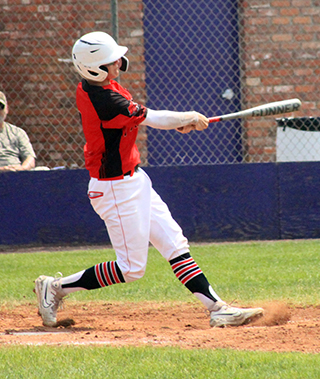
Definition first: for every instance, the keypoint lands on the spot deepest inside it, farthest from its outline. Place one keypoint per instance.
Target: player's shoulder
(110, 94)
(116, 87)
(108, 101)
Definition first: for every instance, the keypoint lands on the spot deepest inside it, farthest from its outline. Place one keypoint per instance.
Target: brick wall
(38, 77)
(280, 60)
(279, 54)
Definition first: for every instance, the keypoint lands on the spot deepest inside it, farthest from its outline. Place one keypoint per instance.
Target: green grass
(248, 272)
(146, 362)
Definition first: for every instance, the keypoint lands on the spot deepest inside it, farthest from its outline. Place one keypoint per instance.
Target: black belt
(129, 172)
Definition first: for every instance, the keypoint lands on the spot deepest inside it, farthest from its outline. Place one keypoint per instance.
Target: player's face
(113, 69)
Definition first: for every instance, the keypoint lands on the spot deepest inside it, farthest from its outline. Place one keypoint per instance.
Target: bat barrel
(277, 107)
(270, 109)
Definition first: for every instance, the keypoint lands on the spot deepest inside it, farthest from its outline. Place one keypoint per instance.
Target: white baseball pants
(135, 215)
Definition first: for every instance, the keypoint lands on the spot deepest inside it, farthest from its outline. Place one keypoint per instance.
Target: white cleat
(232, 316)
(49, 294)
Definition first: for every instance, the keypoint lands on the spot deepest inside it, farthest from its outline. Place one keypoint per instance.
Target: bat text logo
(286, 108)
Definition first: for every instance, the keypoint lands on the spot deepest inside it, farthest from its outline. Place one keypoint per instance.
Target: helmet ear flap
(124, 64)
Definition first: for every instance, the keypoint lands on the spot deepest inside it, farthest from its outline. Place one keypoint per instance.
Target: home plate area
(186, 325)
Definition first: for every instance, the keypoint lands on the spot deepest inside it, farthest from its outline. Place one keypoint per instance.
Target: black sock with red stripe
(101, 275)
(189, 274)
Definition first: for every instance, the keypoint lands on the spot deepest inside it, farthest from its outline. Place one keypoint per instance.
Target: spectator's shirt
(110, 122)
(15, 145)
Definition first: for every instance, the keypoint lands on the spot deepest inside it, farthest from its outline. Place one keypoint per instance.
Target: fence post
(115, 24)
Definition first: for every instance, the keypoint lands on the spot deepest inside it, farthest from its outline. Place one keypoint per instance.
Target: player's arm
(184, 122)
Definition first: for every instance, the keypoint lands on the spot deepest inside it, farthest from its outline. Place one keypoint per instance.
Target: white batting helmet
(94, 50)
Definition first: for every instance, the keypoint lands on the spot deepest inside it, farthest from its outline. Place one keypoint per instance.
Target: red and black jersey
(110, 122)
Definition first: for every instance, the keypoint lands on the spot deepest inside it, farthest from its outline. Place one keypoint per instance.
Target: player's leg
(125, 208)
(166, 235)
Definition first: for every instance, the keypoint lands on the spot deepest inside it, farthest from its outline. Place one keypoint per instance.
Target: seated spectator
(16, 151)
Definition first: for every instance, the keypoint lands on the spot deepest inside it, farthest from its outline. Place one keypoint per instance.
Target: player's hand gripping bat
(270, 109)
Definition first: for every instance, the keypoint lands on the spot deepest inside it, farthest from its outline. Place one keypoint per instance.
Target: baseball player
(121, 192)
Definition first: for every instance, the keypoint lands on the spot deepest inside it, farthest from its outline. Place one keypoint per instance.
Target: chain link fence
(192, 63)
(37, 73)
(223, 56)
(213, 57)
(38, 78)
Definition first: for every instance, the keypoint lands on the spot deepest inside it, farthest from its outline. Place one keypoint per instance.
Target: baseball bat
(270, 109)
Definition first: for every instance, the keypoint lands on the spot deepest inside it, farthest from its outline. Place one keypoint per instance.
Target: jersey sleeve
(112, 107)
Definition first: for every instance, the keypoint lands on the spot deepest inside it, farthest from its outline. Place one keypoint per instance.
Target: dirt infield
(282, 328)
